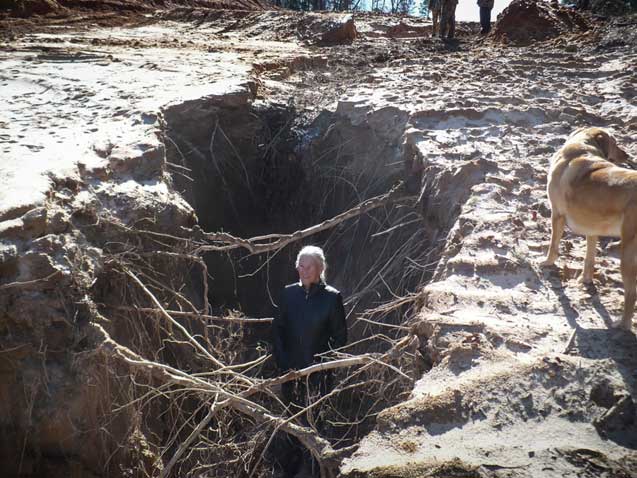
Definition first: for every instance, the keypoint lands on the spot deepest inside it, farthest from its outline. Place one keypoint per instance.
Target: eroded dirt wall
(64, 397)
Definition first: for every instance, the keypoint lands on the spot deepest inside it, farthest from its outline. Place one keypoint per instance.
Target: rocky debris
(526, 21)
(619, 32)
(608, 8)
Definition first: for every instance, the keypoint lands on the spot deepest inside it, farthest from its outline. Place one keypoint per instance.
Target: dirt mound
(310, 28)
(404, 30)
(343, 32)
(526, 21)
(27, 8)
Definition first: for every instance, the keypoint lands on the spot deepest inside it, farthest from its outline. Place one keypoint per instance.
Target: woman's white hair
(317, 254)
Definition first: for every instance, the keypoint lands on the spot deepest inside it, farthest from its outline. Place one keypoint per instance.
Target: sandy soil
(519, 353)
(74, 94)
(521, 375)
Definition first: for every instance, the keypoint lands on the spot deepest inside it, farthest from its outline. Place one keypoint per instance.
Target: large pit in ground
(252, 168)
(255, 168)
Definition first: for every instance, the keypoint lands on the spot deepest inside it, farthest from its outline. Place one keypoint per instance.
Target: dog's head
(603, 140)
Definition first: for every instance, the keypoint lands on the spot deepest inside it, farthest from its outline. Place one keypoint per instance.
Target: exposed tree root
(222, 242)
(320, 448)
(221, 377)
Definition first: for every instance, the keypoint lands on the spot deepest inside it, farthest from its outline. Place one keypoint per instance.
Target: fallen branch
(292, 375)
(260, 244)
(319, 447)
(195, 315)
(172, 322)
(188, 441)
(319, 367)
(28, 283)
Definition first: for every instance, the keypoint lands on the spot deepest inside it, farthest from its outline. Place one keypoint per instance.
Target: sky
(468, 10)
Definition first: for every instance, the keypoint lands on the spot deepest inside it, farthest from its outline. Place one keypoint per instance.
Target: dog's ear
(602, 138)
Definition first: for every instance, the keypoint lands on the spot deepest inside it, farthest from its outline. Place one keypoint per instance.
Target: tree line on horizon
(422, 7)
(390, 6)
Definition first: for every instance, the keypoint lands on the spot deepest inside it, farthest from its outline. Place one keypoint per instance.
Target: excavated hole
(258, 168)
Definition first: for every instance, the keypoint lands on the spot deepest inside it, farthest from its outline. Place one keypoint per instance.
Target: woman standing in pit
(311, 321)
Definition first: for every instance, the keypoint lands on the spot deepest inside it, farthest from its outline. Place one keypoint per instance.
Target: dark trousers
(485, 19)
(297, 394)
(448, 21)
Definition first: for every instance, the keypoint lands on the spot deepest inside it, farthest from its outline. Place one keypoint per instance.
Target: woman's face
(309, 271)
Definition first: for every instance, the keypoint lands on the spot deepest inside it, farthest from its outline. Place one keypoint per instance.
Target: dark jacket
(309, 323)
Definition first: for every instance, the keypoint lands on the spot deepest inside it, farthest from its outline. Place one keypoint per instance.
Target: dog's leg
(557, 229)
(589, 262)
(629, 269)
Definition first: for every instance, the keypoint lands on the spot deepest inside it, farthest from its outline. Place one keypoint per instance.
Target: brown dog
(595, 197)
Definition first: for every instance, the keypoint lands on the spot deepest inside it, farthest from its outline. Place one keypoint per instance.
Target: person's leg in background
(452, 22)
(485, 20)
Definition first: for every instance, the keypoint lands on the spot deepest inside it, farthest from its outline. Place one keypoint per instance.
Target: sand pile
(525, 21)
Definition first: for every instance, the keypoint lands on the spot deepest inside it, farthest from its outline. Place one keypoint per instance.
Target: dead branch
(28, 283)
(188, 441)
(292, 375)
(195, 315)
(319, 367)
(319, 447)
(188, 257)
(227, 242)
(569, 342)
(172, 322)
